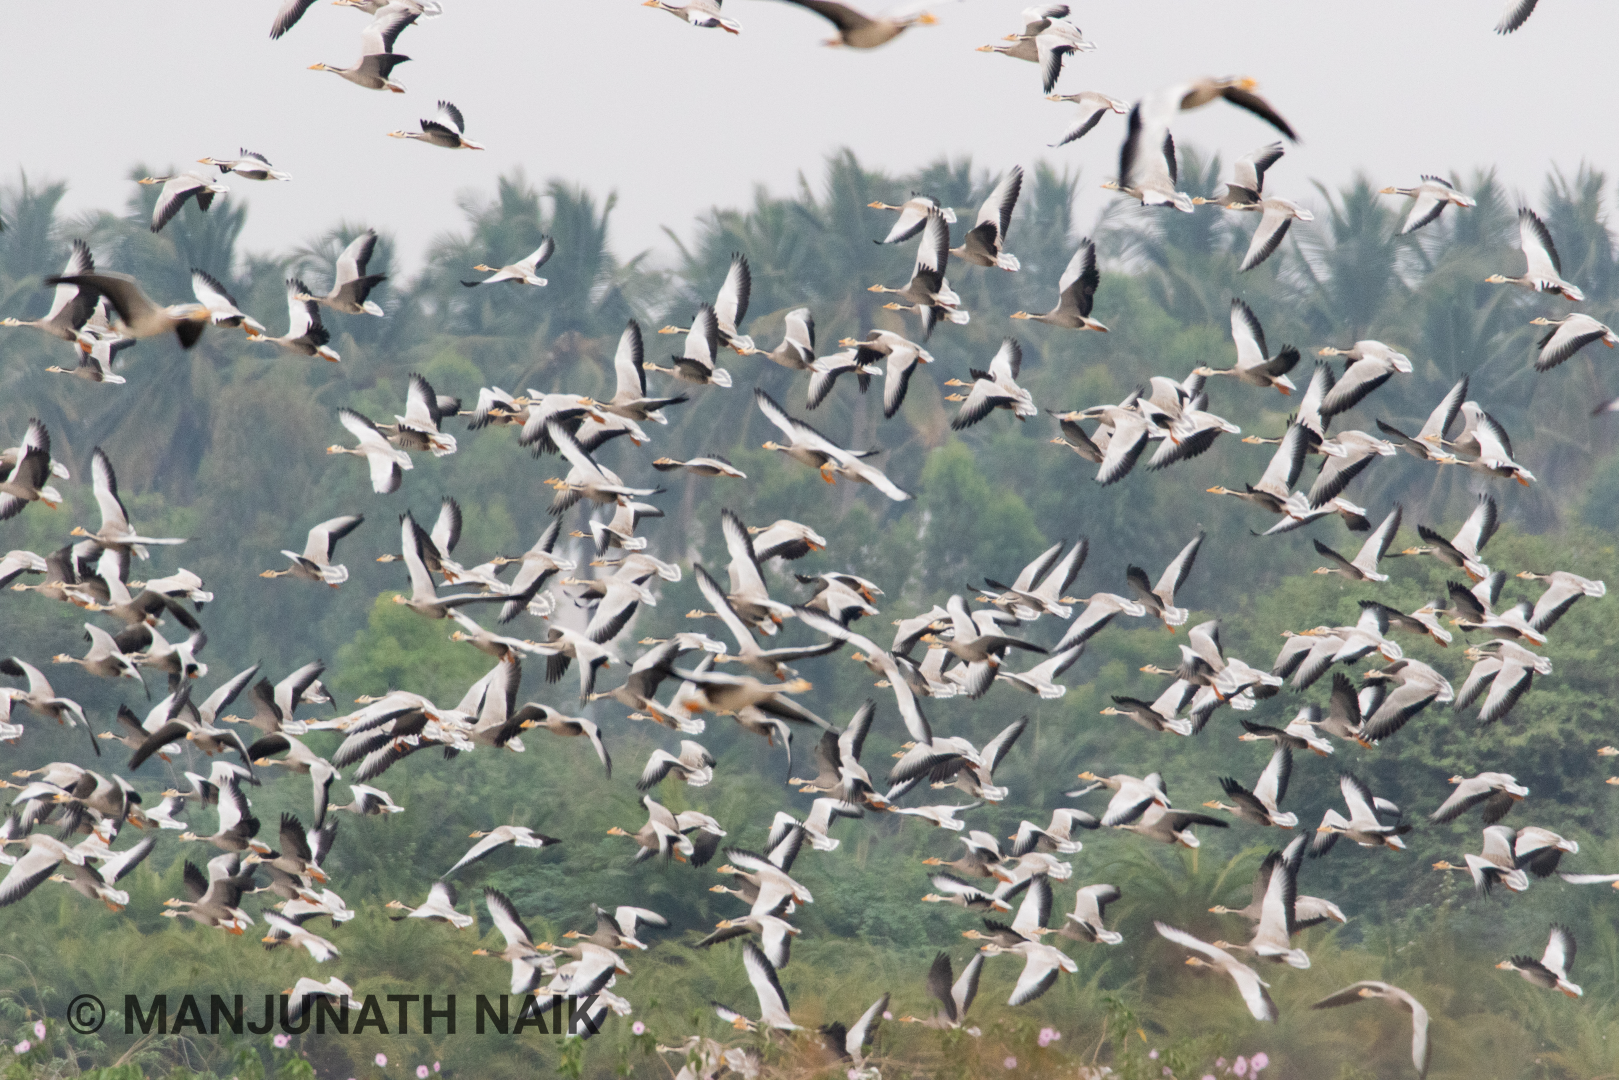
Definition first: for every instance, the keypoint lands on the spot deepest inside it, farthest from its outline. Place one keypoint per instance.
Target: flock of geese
(66, 817)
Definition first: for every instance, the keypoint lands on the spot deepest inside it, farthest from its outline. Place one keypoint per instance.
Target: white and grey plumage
(176, 190)
(913, 215)
(810, 447)
(1276, 216)
(797, 349)
(1260, 806)
(139, 316)
(703, 13)
(1363, 567)
(1254, 365)
(996, 388)
(351, 285)
(1369, 989)
(1247, 183)
(1429, 200)
(928, 290)
(1076, 292)
(1517, 13)
(1159, 599)
(447, 130)
(1462, 550)
(1495, 791)
(1484, 445)
(249, 166)
(115, 532)
(1365, 825)
(374, 69)
(440, 906)
(28, 480)
(698, 362)
(1370, 365)
(305, 335)
(1249, 984)
(386, 462)
(730, 308)
(984, 244)
(1148, 171)
(1568, 336)
(1562, 590)
(1552, 969)
(1544, 269)
(1427, 444)
(518, 835)
(1507, 669)
(902, 359)
(71, 306)
(857, 30)
(524, 270)
(315, 564)
(1093, 106)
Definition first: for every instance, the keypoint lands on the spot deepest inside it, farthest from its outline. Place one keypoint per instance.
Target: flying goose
(1427, 443)
(857, 30)
(249, 166)
(993, 389)
(1429, 200)
(913, 215)
(1259, 806)
(954, 998)
(984, 243)
(1093, 106)
(28, 479)
(139, 316)
(1551, 970)
(424, 598)
(1041, 965)
(1365, 825)
(773, 1008)
(315, 564)
(1361, 991)
(1507, 670)
(928, 291)
(730, 309)
(1569, 335)
(518, 835)
(374, 69)
(116, 532)
(176, 190)
(71, 306)
(1363, 567)
(1159, 600)
(1496, 863)
(350, 283)
(446, 129)
(810, 447)
(1076, 291)
(1253, 365)
(1462, 550)
(439, 907)
(1148, 171)
(1276, 924)
(418, 429)
(1544, 268)
(1249, 984)
(704, 13)
(697, 363)
(1562, 590)
(1370, 365)
(524, 270)
(386, 462)
(533, 715)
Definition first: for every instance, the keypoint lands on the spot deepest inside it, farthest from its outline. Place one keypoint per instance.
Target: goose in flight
(374, 69)
(1487, 445)
(1272, 936)
(810, 447)
(1247, 182)
(586, 479)
(1093, 106)
(350, 283)
(1365, 825)
(955, 996)
(1254, 365)
(730, 308)
(115, 532)
(139, 316)
(305, 335)
(71, 306)
(928, 290)
(1372, 989)
(249, 166)
(1568, 336)
(913, 215)
(440, 906)
(1544, 268)
(704, 13)
(1496, 792)
(1148, 171)
(1370, 364)
(28, 479)
(1496, 863)
(1429, 440)
(1552, 969)
(1562, 590)
(1249, 984)
(773, 1008)
(424, 598)
(1462, 550)
(630, 398)
(524, 270)
(1159, 600)
(517, 835)
(984, 243)
(698, 363)
(1259, 806)
(418, 429)
(447, 129)
(176, 190)
(1363, 567)
(1076, 292)
(1429, 200)
(315, 564)
(1507, 670)
(857, 30)
(386, 461)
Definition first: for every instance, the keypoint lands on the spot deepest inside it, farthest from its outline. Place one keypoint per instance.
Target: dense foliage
(225, 445)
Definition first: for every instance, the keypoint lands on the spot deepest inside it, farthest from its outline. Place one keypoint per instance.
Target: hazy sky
(677, 119)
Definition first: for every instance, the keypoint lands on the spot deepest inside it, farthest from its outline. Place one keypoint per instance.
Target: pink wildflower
(638, 1027)
(1259, 1061)
(382, 1060)
(1010, 1062)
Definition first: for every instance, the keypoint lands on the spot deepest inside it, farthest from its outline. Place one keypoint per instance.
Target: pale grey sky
(677, 119)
